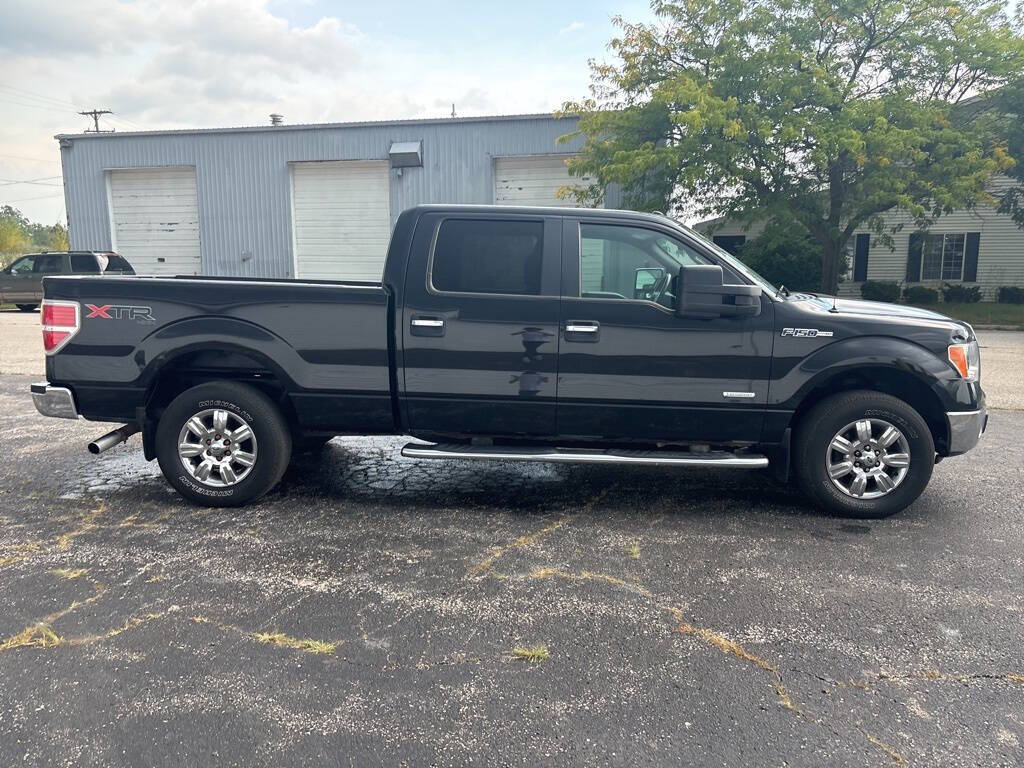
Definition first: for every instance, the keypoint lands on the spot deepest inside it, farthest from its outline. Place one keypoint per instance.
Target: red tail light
(61, 320)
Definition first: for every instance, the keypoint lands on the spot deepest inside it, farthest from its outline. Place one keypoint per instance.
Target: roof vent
(276, 119)
(406, 154)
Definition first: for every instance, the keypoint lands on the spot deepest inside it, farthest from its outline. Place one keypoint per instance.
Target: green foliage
(880, 290)
(821, 114)
(785, 256)
(919, 294)
(19, 236)
(953, 293)
(1011, 294)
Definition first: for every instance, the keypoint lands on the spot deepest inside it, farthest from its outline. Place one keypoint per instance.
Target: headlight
(966, 358)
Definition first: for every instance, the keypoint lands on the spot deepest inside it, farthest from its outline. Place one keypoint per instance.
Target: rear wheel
(27, 307)
(863, 454)
(222, 444)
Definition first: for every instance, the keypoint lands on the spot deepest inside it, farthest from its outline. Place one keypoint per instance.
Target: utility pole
(95, 115)
(453, 109)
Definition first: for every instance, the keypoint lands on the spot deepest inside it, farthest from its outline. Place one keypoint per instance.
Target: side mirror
(646, 279)
(701, 292)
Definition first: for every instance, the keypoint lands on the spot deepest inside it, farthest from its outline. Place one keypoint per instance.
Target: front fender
(794, 375)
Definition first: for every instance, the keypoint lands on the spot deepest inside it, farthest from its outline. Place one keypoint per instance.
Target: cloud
(573, 26)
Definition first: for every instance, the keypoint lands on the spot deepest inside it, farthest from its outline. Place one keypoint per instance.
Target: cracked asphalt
(368, 611)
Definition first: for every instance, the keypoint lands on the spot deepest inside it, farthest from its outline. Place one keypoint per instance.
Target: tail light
(61, 321)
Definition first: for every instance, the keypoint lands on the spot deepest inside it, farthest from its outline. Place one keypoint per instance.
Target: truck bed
(326, 342)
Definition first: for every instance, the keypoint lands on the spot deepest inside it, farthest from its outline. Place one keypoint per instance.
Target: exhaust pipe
(109, 440)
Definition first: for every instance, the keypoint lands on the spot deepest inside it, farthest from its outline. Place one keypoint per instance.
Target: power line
(40, 182)
(32, 159)
(4, 97)
(41, 197)
(38, 96)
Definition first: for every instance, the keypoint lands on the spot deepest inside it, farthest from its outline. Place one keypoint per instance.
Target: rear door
(46, 264)
(629, 368)
(480, 324)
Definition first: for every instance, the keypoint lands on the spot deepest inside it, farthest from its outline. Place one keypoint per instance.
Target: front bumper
(965, 428)
(54, 401)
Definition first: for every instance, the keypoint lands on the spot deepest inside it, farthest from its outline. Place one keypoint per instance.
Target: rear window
(50, 263)
(480, 256)
(117, 263)
(84, 262)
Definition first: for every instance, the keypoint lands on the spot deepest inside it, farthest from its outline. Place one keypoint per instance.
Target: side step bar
(584, 456)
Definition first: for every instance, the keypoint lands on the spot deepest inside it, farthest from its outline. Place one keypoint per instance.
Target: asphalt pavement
(378, 611)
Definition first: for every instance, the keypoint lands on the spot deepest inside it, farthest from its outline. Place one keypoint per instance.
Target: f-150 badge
(805, 333)
(120, 312)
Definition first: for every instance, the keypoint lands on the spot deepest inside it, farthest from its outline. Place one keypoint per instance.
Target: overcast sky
(209, 63)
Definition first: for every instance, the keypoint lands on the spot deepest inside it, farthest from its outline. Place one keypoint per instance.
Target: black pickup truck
(520, 334)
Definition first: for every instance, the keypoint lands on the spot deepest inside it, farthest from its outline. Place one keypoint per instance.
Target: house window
(942, 257)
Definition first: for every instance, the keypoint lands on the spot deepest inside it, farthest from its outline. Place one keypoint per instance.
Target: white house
(974, 247)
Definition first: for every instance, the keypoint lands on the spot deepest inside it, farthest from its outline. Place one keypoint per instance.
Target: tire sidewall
(247, 404)
(832, 415)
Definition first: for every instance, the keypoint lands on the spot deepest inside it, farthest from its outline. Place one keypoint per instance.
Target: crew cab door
(629, 367)
(479, 324)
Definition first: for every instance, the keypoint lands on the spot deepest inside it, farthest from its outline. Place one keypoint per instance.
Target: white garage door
(154, 219)
(341, 219)
(533, 180)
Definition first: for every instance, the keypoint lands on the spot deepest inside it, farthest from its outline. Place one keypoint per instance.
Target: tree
(814, 114)
(14, 237)
(785, 256)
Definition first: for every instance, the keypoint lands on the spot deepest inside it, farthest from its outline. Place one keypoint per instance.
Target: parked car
(534, 334)
(22, 282)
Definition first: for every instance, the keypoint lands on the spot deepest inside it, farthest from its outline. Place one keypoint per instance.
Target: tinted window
(23, 266)
(84, 262)
(49, 262)
(117, 263)
(477, 256)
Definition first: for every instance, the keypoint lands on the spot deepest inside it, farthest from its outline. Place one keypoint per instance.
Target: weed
(531, 654)
(36, 636)
(285, 641)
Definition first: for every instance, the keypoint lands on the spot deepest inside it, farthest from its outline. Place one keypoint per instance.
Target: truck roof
(539, 210)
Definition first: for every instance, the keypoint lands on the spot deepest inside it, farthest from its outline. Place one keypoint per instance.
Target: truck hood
(873, 308)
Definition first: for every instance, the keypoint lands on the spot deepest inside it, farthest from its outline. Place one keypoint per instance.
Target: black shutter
(971, 257)
(914, 257)
(860, 259)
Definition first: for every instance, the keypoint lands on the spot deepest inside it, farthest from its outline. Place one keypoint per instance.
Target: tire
(268, 445)
(27, 307)
(823, 470)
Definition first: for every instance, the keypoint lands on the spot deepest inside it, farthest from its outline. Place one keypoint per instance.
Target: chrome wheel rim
(868, 458)
(217, 448)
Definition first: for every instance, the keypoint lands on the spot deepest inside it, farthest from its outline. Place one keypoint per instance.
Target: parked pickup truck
(22, 282)
(529, 334)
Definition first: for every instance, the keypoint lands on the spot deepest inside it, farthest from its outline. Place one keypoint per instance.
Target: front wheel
(222, 444)
(863, 454)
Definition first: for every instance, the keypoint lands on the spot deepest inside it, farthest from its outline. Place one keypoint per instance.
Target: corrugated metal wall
(243, 180)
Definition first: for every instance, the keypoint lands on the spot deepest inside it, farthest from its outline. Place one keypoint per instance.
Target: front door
(629, 368)
(18, 283)
(480, 333)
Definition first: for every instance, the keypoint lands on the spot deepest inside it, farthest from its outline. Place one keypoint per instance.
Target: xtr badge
(120, 312)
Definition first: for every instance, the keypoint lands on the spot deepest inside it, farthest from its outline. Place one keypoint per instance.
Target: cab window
(49, 263)
(621, 262)
(23, 265)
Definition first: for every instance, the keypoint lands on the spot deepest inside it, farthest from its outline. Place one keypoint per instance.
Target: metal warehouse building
(307, 201)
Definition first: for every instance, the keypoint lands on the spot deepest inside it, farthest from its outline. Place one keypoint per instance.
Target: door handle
(422, 325)
(582, 330)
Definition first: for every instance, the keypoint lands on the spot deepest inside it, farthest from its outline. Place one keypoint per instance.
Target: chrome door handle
(582, 330)
(426, 326)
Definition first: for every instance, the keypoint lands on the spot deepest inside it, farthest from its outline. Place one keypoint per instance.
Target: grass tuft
(36, 636)
(281, 640)
(531, 654)
(71, 573)
(634, 550)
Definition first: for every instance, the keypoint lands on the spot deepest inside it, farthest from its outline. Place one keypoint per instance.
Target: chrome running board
(585, 456)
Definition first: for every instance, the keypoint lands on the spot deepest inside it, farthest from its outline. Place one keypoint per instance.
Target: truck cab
(566, 335)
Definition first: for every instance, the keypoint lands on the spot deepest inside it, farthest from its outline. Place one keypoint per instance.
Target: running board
(585, 456)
